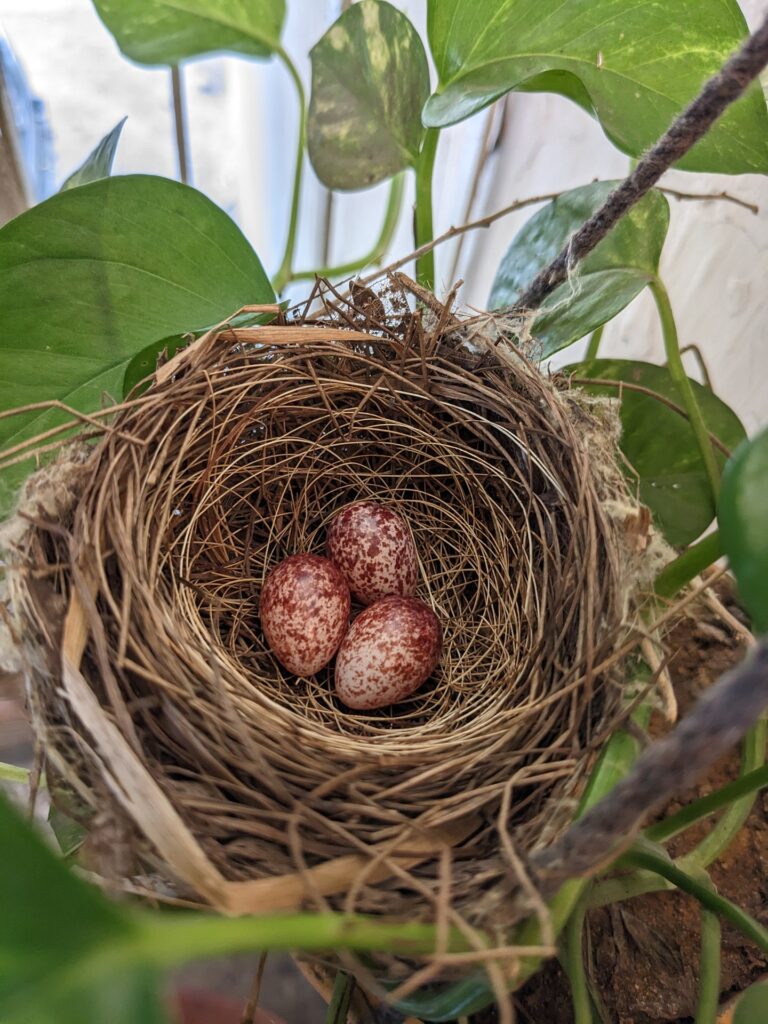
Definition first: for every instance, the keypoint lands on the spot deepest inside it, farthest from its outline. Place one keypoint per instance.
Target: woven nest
(178, 736)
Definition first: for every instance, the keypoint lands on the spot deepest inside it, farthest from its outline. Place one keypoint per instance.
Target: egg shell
(374, 548)
(304, 608)
(391, 648)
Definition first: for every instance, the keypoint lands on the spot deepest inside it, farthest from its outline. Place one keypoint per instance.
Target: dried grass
(164, 715)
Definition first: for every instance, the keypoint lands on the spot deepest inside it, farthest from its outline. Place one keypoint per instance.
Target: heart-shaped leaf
(752, 1007)
(48, 920)
(67, 956)
(660, 446)
(370, 79)
(169, 31)
(604, 283)
(636, 65)
(93, 275)
(144, 363)
(99, 163)
(743, 517)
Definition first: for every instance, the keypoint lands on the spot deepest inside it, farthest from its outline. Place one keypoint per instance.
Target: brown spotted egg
(391, 648)
(304, 608)
(373, 547)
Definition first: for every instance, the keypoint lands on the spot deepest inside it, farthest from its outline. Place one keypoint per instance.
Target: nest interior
(239, 455)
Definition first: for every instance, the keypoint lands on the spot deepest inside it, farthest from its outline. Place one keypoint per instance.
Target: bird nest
(211, 773)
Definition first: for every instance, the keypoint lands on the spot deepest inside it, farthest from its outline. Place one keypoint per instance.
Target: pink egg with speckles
(373, 547)
(391, 648)
(304, 608)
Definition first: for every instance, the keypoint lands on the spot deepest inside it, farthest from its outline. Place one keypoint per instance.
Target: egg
(304, 608)
(374, 548)
(391, 648)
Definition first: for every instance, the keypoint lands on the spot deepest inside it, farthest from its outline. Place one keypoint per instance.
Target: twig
(482, 222)
(718, 721)
(726, 196)
(717, 94)
(249, 1010)
(663, 678)
(738, 628)
(491, 218)
(488, 144)
(700, 362)
(452, 232)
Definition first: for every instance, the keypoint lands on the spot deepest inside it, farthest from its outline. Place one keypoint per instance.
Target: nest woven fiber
(158, 704)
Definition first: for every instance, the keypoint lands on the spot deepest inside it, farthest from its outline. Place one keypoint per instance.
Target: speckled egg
(304, 608)
(373, 547)
(391, 648)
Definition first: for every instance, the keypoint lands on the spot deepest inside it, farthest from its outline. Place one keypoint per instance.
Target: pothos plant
(98, 280)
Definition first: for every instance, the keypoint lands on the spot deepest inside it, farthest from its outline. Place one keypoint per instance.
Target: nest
(176, 734)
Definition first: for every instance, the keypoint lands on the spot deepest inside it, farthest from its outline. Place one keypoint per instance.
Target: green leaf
(12, 773)
(49, 919)
(752, 1007)
(99, 163)
(67, 956)
(743, 517)
(605, 282)
(69, 835)
(125, 994)
(93, 275)
(370, 79)
(660, 446)
(637, 65)
(144, 363)
(169, 31)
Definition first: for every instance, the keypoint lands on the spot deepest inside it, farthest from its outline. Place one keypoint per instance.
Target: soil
(643, 954)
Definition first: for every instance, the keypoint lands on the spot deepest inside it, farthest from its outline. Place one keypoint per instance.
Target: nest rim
(211, 363)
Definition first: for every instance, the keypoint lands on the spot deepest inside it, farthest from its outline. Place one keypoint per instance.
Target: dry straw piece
(191, 756)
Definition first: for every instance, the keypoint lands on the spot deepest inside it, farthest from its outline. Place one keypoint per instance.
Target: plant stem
(174, 938)
(707, 805)
(722, 835)
(677, 573)
(615, 759)
(613, 890)
(641, 856)
(474, 993)
(283, 275)
(377, 251)
(12, 773)
(680, 377)
(180, 123)
(338, 1007)
(424, 232)
(627, 887)
(709, 969)
(573, 962)
(594, 344)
